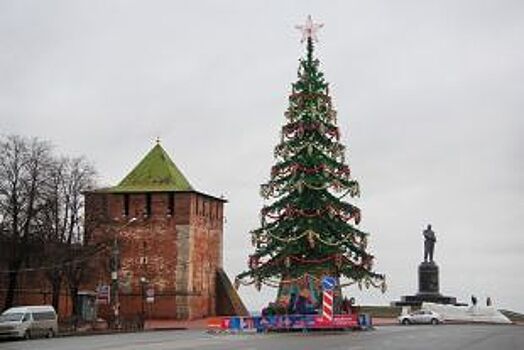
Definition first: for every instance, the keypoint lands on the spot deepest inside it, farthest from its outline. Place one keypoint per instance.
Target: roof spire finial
(309, 30)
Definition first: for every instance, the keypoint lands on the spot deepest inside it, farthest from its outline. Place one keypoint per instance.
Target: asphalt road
(442, 337)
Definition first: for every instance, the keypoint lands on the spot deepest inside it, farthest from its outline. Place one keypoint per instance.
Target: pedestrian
(291, 306)
(345, 306)
(473, 300)
(488, 301)
(301, 305)
(353, 306)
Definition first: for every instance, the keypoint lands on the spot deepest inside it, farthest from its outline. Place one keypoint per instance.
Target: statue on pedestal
(429, 244)
(428, 278)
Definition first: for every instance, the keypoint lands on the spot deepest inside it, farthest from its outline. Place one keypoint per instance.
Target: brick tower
(166, 239)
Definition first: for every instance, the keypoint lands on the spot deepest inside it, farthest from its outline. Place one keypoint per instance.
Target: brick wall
(177, 254)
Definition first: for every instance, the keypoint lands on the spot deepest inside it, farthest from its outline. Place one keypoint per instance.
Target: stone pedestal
(428, 278)
(428, 288)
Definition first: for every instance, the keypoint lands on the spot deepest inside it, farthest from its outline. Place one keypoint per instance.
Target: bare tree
(81, 267)
(41, 216)
(66, 244)
(54, 224)
(24, 166)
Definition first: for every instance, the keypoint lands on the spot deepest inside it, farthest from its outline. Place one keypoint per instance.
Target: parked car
(421, 317)
(28, 321)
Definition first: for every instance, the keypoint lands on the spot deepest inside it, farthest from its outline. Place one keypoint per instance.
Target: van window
(45, 315)
(11, 317)
(27, 317)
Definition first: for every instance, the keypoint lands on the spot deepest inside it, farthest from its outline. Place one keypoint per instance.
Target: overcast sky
(429, 96)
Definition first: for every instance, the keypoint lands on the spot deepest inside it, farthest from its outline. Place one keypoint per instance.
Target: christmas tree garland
(307, 230)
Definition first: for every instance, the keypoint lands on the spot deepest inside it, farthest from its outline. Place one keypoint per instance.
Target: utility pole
(115, 263)
(143, 284)
(115, 266)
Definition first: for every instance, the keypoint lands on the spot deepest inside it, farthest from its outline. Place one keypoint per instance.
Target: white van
(28, 321)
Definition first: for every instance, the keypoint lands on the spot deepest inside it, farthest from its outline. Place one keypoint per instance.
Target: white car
(420, 317)
(28, 321)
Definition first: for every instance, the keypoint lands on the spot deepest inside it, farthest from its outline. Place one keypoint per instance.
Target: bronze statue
(429, 244)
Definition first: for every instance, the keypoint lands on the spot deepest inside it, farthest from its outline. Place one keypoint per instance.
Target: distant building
(169, 239)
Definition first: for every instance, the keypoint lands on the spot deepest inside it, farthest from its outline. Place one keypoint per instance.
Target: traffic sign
(328, 283)
(103, 295)
(150, 295)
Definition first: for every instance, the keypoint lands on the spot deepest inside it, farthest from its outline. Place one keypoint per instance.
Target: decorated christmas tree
(309, 230)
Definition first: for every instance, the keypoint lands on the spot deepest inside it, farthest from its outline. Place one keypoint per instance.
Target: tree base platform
(289, 323)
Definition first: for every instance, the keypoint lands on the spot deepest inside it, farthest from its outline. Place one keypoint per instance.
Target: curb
(91, 333)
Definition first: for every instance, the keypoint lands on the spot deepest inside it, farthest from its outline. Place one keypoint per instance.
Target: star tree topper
(309, 30)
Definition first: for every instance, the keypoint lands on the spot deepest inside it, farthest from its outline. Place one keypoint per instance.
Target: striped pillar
(327, 305)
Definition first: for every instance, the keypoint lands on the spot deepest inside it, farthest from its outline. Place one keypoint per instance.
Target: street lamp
(114, 272)
(143, 284)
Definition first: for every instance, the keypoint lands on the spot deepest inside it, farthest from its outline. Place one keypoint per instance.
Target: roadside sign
(328, 283)
(103, 294)
(150, 295)
(327, 305)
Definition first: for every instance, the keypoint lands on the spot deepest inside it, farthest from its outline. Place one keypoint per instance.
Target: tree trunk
(56, 285)
(74, 299)
(12, 284)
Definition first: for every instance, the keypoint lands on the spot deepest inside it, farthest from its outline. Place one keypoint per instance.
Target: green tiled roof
(155, 173)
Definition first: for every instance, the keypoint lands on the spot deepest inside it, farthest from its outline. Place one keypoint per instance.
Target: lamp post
(143, 284)
(115, 265)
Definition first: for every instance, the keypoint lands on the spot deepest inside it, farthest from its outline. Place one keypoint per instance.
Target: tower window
(171, 204)
(126, 204)
(148, 204)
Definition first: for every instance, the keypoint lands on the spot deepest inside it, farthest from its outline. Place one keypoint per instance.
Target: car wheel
(405, 321)
(434, 321)
(27, 335)
(50, 333)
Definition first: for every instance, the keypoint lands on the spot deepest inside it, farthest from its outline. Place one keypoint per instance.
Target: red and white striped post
(328, 285)
(327, 305)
